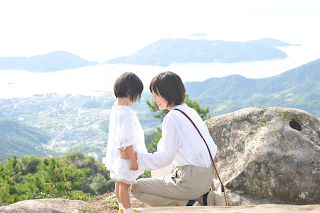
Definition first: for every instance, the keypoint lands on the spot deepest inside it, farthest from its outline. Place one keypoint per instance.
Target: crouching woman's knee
(137, 191)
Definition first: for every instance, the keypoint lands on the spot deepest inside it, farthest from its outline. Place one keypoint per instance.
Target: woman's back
(191, 147)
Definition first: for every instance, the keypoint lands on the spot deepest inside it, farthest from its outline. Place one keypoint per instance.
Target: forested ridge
(19, 139)
(297, 88)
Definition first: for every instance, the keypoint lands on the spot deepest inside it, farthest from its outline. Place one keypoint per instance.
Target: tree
(74, 155)
(35, 178)
(203, 112)
(98, 182)
(29, 164)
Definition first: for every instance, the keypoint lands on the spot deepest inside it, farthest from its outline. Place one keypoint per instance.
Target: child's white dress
(124, 130)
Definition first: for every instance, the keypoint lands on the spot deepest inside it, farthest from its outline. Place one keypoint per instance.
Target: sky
(100, 30)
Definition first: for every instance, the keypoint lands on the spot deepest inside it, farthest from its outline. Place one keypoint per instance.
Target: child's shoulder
(121, 108)
(123, 111)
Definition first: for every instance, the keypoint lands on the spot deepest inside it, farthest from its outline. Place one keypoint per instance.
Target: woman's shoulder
(192, 113)
(183, 107)
(174, 114)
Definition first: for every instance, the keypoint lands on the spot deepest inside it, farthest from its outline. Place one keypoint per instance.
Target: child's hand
(134, 165)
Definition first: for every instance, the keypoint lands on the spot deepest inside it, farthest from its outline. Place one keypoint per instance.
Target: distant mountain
(297, 88)
(54, 61)
(166, 51)
(272, 42)
(19, 139)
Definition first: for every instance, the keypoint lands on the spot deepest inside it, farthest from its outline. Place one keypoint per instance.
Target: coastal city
(73, 122)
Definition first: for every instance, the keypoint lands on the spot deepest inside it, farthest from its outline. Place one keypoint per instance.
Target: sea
(99, 79)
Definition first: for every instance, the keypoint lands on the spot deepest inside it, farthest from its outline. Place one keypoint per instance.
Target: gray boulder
(269, 154)
(56, 205)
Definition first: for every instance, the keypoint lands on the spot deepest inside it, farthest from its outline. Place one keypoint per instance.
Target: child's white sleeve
(126, 132)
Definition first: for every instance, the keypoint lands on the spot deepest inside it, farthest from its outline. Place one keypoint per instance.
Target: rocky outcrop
(56, 205)
(271, 154)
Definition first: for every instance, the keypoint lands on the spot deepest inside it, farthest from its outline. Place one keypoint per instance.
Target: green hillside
(297, 88)
(19, 139)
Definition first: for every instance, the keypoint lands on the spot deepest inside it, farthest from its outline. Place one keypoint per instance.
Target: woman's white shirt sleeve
(181, 144)
(166, 149)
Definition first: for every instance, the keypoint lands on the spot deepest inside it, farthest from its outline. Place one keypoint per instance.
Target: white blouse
(181, 143)
(124, 130)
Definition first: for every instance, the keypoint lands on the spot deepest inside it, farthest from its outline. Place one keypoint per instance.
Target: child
(125, 131)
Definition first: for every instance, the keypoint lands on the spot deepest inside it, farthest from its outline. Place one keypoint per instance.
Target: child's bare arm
(132, 156)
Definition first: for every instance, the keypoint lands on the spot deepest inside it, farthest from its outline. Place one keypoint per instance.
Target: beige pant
(185, 183)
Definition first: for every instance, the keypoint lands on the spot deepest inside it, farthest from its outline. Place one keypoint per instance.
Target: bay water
(94, 80)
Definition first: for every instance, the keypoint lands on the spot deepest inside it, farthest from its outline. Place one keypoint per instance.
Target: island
(167, 51)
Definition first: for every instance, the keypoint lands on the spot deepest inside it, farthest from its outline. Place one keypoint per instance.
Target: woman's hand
(123, 153)
(134, 165)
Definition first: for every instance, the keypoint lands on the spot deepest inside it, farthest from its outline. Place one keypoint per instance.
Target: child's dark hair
(170, 87)
(128, 84)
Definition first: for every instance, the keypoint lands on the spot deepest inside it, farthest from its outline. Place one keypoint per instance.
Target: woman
(181, 145)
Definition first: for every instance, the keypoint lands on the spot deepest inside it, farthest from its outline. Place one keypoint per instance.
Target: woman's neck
(171, 107)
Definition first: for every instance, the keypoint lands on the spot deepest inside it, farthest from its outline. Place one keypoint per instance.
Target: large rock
(56, 205)
(270, 154)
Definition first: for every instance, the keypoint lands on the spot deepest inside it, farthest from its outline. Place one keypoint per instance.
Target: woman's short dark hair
(128, 84)
(170, 87)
